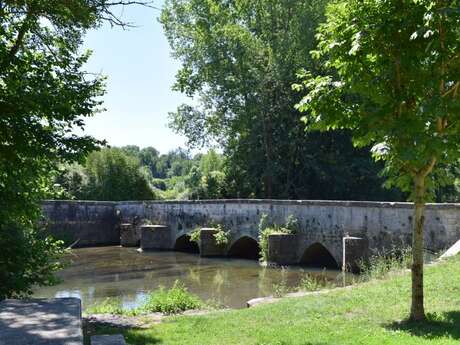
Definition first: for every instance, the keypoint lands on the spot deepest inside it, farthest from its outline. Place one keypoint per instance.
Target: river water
(94, 274)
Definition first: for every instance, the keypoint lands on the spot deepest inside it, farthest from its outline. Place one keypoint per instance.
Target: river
(93, 274)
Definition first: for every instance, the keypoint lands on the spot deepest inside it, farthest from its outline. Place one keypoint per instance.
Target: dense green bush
(171, 301)
(167, 301)
(28, 257)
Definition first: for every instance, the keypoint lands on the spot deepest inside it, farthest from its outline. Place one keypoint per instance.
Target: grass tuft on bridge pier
(372, 313)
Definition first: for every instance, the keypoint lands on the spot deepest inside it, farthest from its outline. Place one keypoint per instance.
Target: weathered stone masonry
(323, 224)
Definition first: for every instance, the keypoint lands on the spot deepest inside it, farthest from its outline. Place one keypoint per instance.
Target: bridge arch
(317, 255)
(244, 247)
(184, 244)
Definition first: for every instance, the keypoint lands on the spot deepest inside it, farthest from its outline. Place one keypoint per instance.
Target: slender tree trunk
(417, 309)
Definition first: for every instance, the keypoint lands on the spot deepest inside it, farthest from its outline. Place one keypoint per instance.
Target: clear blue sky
(140, 74)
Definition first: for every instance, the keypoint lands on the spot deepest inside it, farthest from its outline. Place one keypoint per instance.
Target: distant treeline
(131, 173)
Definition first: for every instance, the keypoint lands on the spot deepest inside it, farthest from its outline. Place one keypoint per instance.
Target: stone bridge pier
(283, 249)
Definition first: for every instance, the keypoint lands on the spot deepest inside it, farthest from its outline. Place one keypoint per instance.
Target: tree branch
(19, 39)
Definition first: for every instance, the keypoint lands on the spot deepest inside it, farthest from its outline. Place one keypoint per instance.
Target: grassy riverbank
(372, 313)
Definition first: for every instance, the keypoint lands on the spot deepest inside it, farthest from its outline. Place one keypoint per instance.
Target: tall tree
(44, 96)
(396, 86)
(115, 175)
(239, 59)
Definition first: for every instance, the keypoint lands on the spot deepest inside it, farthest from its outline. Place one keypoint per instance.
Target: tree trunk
(417, 309)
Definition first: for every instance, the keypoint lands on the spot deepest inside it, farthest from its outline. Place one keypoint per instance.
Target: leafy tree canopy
(239, 59)
(44, 96)
(394, 82)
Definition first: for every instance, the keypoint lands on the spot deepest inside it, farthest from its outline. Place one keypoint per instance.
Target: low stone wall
(85, 223)
(382, 224)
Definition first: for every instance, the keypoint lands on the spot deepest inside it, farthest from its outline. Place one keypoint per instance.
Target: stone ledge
(114, 339)
(55, 321)
(371, 204)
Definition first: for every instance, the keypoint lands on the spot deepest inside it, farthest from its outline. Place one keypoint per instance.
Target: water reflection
(97, 273)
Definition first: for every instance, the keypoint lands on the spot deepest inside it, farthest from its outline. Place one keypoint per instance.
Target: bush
(28, 258)
(280, 289)
(108, 306)
(172, 301)
(380, 265)
(167, 301)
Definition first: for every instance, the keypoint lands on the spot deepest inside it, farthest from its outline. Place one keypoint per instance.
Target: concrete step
(454, 250)
(55, 321)
(115, 339)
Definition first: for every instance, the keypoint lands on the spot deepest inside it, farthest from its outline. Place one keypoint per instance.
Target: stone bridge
(322, 226)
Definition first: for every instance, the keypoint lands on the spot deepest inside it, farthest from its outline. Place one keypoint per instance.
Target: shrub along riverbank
(370, 313)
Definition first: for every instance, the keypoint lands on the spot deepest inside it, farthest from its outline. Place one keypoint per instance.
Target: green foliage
(195, 235)
(309, 283)
(45, 96)
(114, 175)
(172, 301)
(410, 114)
(130, 173)
(29, 257)
(221, 236)
(380, 265)
(373, 313)
(393, 79)
(267, 228)
(108, 174)
(108, 306)
(292, 224)
(239, 60)
(167, 301)
(280, 289)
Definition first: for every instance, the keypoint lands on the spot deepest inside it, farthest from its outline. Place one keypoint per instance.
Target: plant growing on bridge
(267, 228)
(221, 236)
(195, 235)
(392, 78)
(292, 224)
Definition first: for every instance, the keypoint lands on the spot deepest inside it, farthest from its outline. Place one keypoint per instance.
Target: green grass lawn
(371, 313)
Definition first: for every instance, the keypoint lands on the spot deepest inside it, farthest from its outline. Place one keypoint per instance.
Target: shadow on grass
(436, 325)
(130, 335)
(141, 339)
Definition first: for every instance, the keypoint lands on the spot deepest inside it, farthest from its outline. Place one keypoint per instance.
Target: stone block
(128, 235)
(155, 237)
(355, 250)
(282, 249)
(208, 245)
(114, 339)
(55, 321)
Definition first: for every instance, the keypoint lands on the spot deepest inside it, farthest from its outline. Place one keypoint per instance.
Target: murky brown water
(97, 273)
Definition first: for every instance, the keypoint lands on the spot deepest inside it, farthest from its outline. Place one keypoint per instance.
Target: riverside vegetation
(167, 301)
(373, 312)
